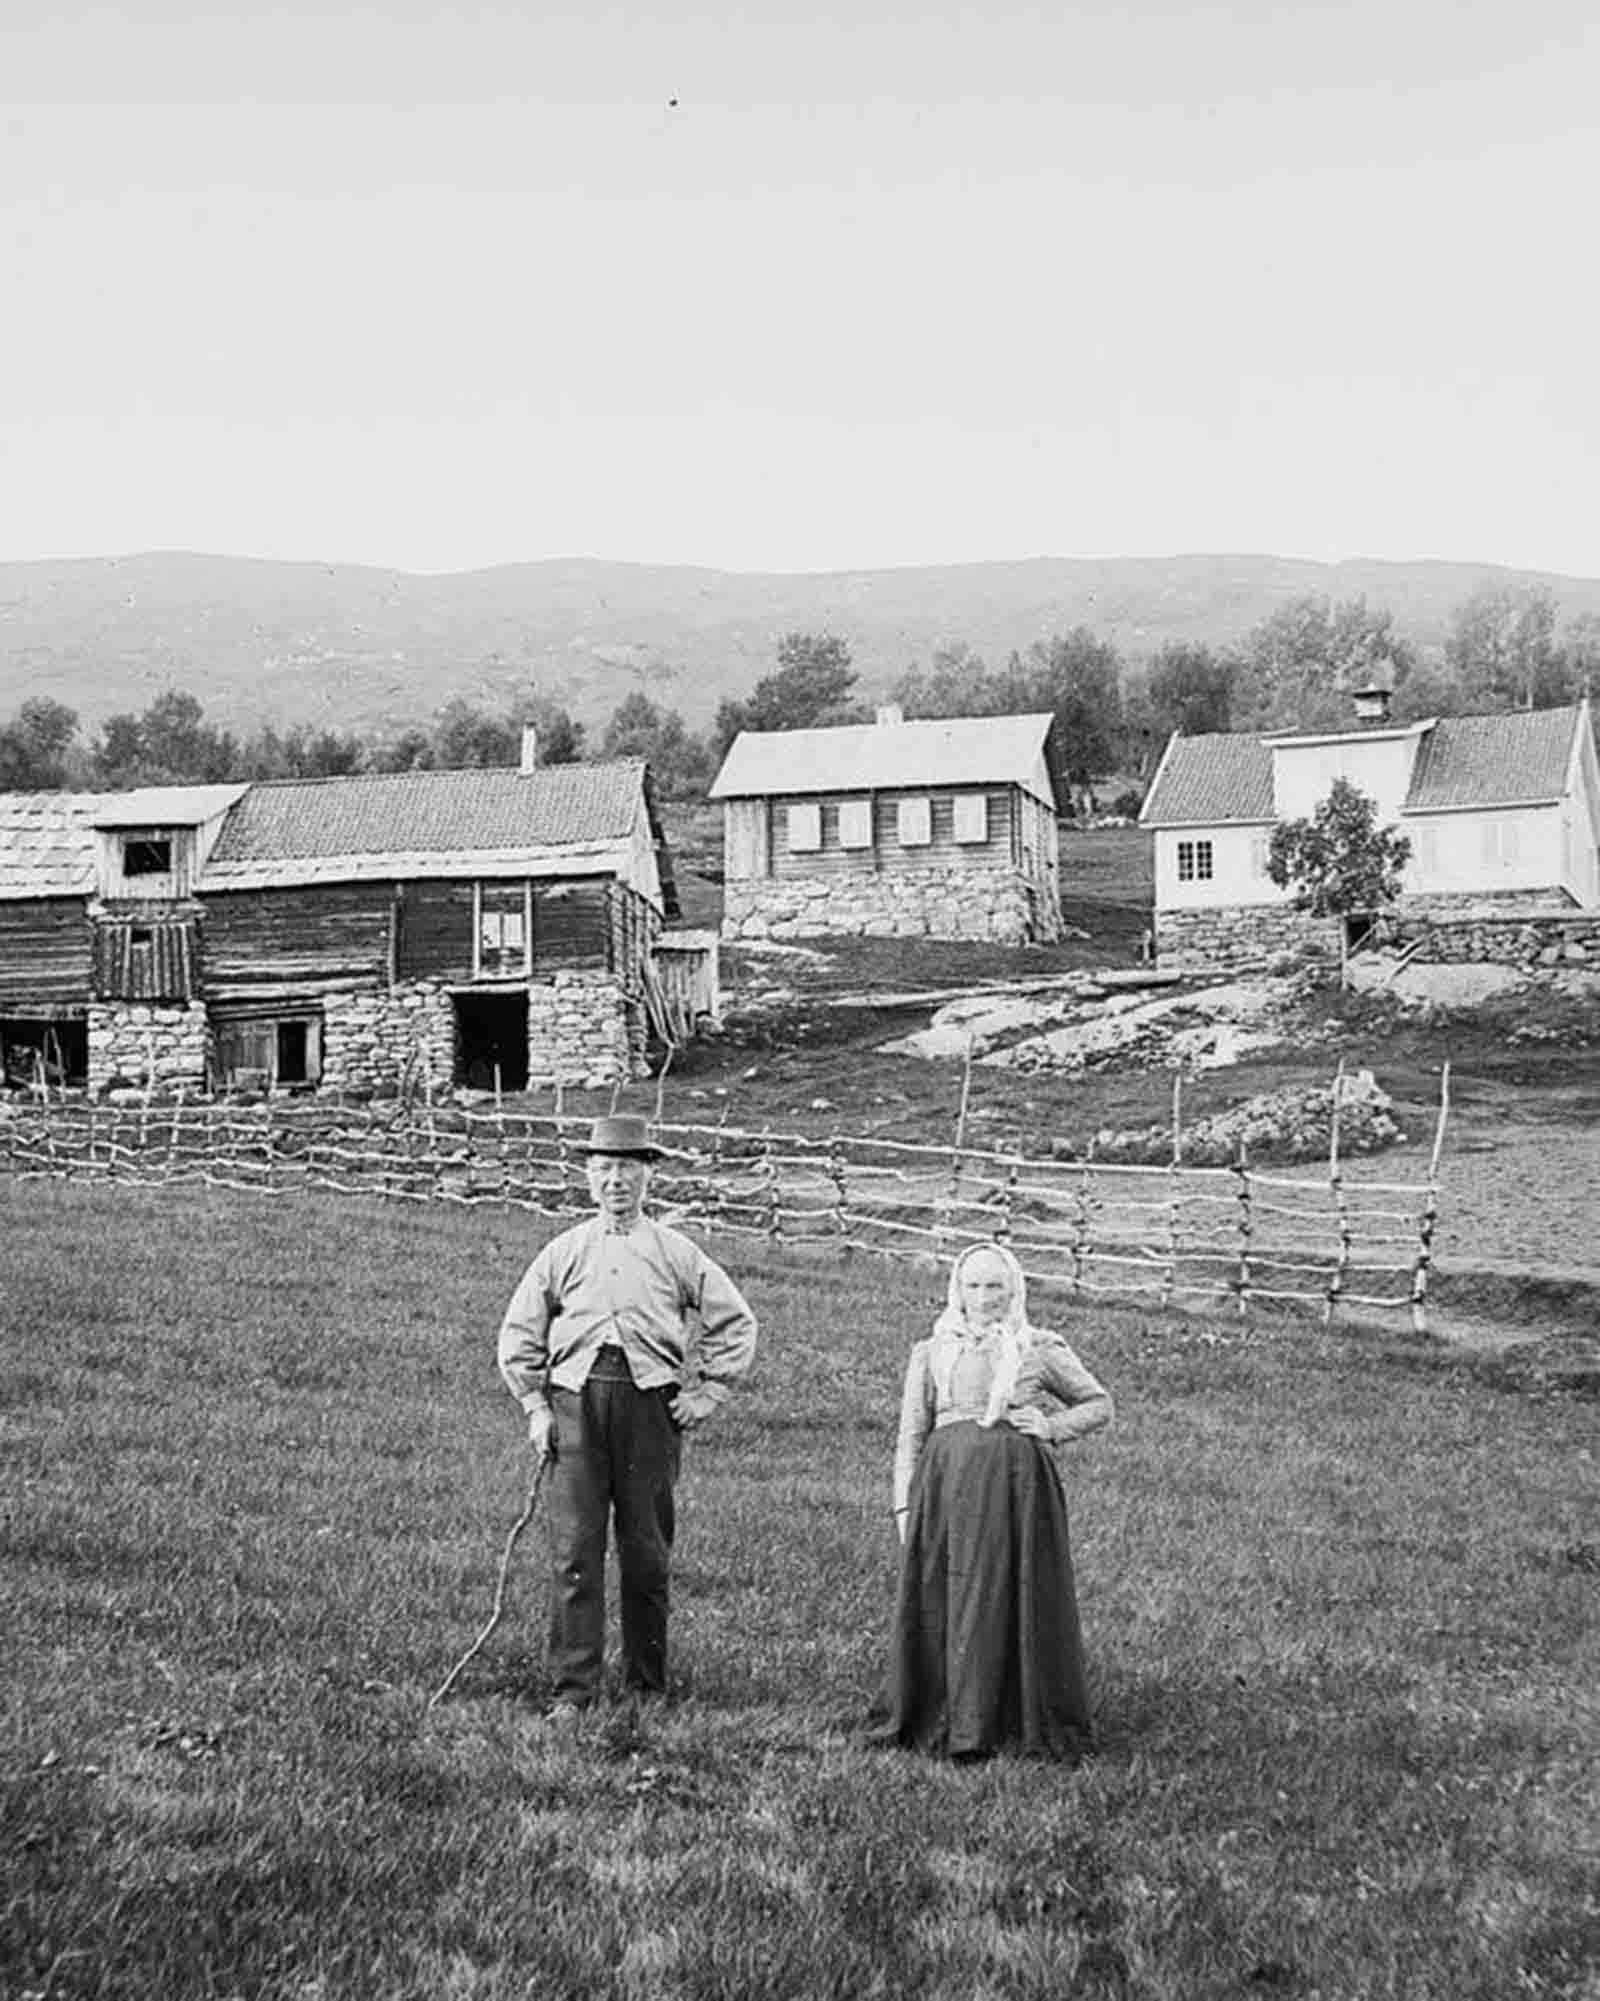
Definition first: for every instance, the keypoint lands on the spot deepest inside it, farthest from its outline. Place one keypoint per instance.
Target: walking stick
(479, 1643)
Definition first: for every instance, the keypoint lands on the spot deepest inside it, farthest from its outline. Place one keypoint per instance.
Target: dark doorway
(1359, 931)
(492, 1041)
(293, 1052)
(55, 1052)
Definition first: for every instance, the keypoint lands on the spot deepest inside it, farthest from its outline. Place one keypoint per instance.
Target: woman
(986, 1650)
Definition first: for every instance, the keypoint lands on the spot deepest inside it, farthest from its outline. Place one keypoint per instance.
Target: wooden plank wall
(165, 967)
(886, 854)
(435, 931)
(572, 924)
(328, 931)
(633, 925)
(46, 953)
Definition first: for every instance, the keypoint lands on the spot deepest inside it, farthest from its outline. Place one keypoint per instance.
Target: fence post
(1241, 1167)
(1083, 1220)
(769, 1169)
(1430, 1216)
(1341, 1264)
(1169, 1275)
(840, 1190)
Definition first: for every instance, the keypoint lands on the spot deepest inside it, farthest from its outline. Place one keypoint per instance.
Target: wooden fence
(1165, 1234)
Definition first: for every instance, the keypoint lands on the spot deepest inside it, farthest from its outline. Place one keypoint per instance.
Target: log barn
(490, 929)
(940, 829)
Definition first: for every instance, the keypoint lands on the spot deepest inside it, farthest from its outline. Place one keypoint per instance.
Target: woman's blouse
(948, 1379)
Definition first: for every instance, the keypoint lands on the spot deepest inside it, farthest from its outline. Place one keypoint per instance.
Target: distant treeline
(1296, 669)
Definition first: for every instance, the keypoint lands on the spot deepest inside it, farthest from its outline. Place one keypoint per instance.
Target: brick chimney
(1372, 706)
(890, 713)
(530, 748)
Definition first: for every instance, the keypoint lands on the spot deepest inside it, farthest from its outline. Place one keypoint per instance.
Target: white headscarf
(1013, 1333)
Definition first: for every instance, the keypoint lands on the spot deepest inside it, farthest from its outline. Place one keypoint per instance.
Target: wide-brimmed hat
(624, 1133)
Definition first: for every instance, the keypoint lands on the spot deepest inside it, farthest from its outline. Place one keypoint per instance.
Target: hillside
(369, 649)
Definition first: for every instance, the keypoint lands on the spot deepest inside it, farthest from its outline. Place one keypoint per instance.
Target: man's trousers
(617, 1453)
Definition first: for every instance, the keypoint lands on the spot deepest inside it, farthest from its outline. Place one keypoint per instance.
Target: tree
(34, 746)
(956, 682)
(1340, 863)
(171, 743)
(1190, 688)
(679, 760)
(1302, 663)
(809, 690)
(1078, 677)
(1502, 649)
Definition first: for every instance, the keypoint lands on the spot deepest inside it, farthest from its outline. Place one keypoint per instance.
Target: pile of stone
(1092, 1026)
(1288, 1125)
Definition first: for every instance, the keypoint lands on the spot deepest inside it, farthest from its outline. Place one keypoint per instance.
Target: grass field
(1338, 1597)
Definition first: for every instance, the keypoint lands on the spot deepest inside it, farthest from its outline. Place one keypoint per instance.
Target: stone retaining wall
(1552, 938)
(903, 903)
(161, 1046)
(583, 1029)
(1261, 938)
(372, 1042)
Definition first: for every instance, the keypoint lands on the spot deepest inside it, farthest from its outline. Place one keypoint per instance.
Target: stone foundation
(146, 1046)
(1517, 929)
(583, 1029)
(374, 1042)
(923, 903)
(1551, 938)
(1260, 938)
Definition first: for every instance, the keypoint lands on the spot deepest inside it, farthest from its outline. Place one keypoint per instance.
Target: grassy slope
(1338, 1596)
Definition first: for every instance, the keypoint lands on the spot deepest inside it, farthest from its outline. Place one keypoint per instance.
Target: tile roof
(862, 757)
(47, 843)
(1515, 759)
(425, 814)
(1206, 780)
(1462, 761)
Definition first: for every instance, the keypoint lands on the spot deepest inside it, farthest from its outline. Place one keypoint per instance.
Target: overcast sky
(802, 288)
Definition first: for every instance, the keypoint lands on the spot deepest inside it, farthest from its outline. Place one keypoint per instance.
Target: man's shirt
(593, 1285)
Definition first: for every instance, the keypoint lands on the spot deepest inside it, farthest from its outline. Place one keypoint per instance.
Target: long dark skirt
(986, 1653)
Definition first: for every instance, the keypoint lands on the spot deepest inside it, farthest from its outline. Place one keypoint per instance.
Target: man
(593, 1348)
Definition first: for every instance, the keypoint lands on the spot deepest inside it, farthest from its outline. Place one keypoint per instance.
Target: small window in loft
(805, 828)
(972, 817)
(502, 931)
(140, 939)
(915, 818)
(145, 857)
(855, 823)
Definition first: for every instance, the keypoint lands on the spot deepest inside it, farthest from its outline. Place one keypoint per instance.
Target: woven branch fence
(1164, 1234)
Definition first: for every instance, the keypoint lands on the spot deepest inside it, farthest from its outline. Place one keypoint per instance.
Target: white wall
(1238, 871)
(1483, 852)
(1380, 764)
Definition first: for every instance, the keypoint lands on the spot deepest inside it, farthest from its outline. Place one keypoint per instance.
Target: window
(805, 828)
(1500, 843)
(269, 1051)
(139, 939)
(146, 857)
(1260, 851)
(502, 929)
(915, 823)
(972, 817)
(855, 823)
(1194, 861)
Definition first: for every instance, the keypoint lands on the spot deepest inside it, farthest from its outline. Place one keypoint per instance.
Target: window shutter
(915, 819)
(805, 828)
(855, 823)
(972, 816)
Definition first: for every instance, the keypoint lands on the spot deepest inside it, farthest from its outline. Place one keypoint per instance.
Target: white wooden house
(1502, 813)
(941, 829)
